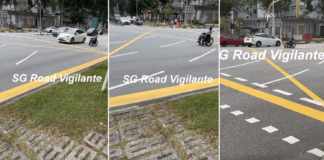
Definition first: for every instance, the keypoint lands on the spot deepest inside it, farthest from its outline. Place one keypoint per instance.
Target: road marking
(52, 47)
(124, 84)
(11, 93)
(240, 79)
(225, 74)
(173, 44)
(312, 101)
(224, 106)
(293, 106)
(26, 58)
(56, 43)
(264, 84)
(292, 79)
(149, 37)
(116, 50)
(291, 140)
(202, 55)
(240, 65)
(117, 42)
(190, 31)
(321, 62)
(252, 120)
(236, 113)
(3, 45)
(316, 152)
(283, 92)
(270, 129)
(159, 93)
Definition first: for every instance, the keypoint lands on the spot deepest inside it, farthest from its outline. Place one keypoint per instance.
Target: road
(271, 109)
(157, 52)
(25, 53)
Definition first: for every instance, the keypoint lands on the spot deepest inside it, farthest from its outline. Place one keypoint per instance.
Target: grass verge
(70, 109)
(198, 113)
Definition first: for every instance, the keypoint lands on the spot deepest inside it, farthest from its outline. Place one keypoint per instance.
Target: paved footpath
(152, 134)
(47, 146)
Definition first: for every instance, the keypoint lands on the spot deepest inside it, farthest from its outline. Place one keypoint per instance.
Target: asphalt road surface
(25, 53)
(270, 109)
(159, 53)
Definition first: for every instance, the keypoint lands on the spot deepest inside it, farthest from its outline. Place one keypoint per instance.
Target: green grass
(71, 109)
(198, 111)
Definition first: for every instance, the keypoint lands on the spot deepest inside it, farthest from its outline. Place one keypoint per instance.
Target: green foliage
(168, 10)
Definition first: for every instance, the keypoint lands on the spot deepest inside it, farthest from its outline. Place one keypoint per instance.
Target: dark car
(230, 39)
(57, 31)
(92, 31)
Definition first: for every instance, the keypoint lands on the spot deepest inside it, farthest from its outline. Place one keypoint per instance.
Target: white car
(50, 29)
(262, 39)
(125, 20)
(72, 35)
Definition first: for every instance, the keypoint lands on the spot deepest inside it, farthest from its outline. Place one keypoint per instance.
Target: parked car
(125, 21)
(72, 35)
(230, 39)
(117, 16)
(57, 31)
(92, 31)
(262, 39)
(50, 29)
(137, 21)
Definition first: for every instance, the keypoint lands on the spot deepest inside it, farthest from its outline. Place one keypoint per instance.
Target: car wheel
(224, 44)
(84, 39)
(72, 41)
(249, 45)
(258, 44)
(277, 43)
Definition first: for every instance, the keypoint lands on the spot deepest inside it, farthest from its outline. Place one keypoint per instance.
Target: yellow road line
(304, 110)
(11, 93)
(47, 47)
(56, 43)
(292, 79)
(159, 93)
(116, 50)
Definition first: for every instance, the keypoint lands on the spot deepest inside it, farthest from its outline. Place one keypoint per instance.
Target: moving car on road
(92, 31)
(50, 29)
(59, 30)
(262, 39)
(230, 39)
(124, 21)
(72, 35)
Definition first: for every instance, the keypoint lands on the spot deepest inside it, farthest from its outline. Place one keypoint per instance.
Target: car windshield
(91, 29)
(70, 31)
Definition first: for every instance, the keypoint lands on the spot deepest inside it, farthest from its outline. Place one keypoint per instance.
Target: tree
(280, 7)
(319, 8)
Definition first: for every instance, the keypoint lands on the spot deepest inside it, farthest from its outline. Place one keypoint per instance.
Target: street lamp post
(273, 27)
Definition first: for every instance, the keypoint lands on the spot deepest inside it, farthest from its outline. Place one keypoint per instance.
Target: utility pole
(62, 14)
(136, 9)
(40, 14)
(185, 18)
(232, 20)
(273, 27)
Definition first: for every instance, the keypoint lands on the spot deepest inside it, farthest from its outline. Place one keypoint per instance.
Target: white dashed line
(240, 79)
(312, 101)
(224, 106)
(252, 120)
(240, 65)
(321, 62)
(236, 113)
(316, 152)
(122, 54)
(117, 42)
(270, 129)
(264, 84)
(283, 92)
(202, 55)
(291, 140)
(172, 44)
(224, 74)
(3, 45)
(26, 58)
(134, 81)
(149, 37)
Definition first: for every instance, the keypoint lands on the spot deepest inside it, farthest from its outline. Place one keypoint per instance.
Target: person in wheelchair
(204, 35)
(94, 39)
(291, 41)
